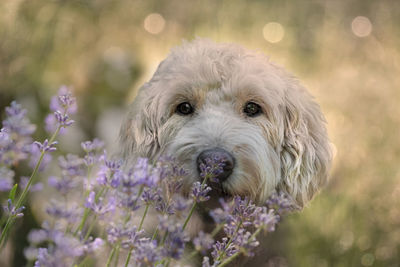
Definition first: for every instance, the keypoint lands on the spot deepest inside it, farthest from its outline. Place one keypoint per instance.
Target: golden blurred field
(346, 53)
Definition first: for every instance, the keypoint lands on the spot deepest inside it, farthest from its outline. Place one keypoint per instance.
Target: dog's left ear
(306, 151)
(138, 133)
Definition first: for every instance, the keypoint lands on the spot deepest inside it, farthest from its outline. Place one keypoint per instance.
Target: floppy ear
(138, 134)
(306, 153)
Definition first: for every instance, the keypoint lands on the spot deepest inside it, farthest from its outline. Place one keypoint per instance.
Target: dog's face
(210, 100)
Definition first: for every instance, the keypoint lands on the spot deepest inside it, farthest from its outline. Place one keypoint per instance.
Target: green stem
(4, 234)
(154, 234)
(128, 258)
(144, 216)
(189, 216)
(84, 261)
(87, 212)
(24, 193)
(140, 227)
(193, 207)
(30, 181)
(216, 230)
(164, 238)
(220, 257)
(230, 259)
(110, 257)
(117, 255)
(90, 228)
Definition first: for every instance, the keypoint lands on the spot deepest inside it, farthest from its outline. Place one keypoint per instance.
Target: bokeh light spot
(154, 23)
(273, 32)
(361, 26)
(367, 259)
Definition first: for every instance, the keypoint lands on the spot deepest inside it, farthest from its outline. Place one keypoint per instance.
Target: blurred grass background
(345, 52)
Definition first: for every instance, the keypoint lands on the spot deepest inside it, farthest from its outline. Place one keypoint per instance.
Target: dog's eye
(184, 108)
(252, 109)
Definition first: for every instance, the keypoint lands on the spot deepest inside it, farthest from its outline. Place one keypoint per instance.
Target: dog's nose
(223, 157)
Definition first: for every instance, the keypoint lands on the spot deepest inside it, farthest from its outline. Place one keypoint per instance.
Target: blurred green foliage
(105, 51)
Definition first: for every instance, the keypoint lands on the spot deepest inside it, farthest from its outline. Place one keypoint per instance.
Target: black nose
(221, 156)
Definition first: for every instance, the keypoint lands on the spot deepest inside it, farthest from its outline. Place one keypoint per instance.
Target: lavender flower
(35, 155)
(211, 168)
(16, 121)
(46, 147)
(203, 242)
(175, 244)
(266, 219)
(63, 249)
(114, 234)
(132, 238)
(6, 178)
(110, 172)
(91, 148)
(200, 191)
(224, 247)
(63, 119)
(180, 203)
(5, 138)
(146, 252)
(151, 195)
(15, 136)
(245, 242)
(71, 166)
(243, 210)
(62, 184)
(144, 174)
(281, 203)
(62, 105)
(101, 207)
(94, 245)
(37, 236)
(12, 210)
(223, 214)
(60, 210)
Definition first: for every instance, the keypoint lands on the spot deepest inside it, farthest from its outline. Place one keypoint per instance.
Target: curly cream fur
(286, 148)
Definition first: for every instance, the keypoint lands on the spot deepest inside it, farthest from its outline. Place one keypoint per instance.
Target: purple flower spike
(133, 238)
(63, 119)
(146, 252)
(12, 210)
(46, 147)
(211, 168)
(6, 178)
(199, 192)
(15, 135)
(90, 146)
(266, 219)
(94, 245)
(203, 242)
(100, 208)
(223, 247)
(281, 203)
(64, 101)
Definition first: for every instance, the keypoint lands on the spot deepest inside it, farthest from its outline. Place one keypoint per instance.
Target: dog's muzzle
(225, 157)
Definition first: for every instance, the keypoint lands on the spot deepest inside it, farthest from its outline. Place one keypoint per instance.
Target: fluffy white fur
(286, 148)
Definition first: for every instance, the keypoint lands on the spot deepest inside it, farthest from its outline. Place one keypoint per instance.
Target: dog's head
(208, 99)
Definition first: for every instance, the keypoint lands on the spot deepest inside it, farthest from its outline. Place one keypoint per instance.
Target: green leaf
(12, 192)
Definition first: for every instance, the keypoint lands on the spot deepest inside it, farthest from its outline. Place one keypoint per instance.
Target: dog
(210, 99)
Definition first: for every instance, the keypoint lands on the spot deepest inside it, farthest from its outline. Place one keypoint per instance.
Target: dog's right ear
(138, 134)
